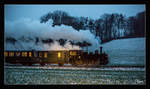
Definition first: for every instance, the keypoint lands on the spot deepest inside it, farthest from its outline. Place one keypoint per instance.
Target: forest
(107, 27)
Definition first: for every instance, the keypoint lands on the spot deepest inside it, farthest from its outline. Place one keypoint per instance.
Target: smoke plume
(25, 31)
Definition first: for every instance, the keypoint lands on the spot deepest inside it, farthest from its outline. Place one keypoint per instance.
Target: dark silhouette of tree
(140, 24)
(107, 27)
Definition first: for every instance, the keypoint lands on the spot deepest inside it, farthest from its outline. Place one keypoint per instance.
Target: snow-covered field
(45, 76)
(126, 51)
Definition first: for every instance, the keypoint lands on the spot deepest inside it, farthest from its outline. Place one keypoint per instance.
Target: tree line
(108, 26)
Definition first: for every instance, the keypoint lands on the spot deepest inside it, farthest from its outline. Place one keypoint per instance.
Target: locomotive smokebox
(101, 49)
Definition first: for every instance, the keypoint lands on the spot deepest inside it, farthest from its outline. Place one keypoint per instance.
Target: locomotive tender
(60, 57)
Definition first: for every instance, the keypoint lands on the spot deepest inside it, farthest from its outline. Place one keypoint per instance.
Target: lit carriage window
(59, 55)
(5, 54)
(24, 54)
(18, 54)
(45, 54)
(72, 53)
(11, 54)
(30, 54)
(40, 54)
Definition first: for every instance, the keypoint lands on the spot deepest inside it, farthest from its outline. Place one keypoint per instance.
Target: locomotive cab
(75, 56)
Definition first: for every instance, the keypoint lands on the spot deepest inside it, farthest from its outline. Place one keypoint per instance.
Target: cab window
(72, 53)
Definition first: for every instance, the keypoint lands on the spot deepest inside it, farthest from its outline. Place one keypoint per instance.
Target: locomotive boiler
(60, 57)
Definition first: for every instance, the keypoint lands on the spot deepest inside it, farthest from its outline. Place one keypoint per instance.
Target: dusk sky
(15, 12)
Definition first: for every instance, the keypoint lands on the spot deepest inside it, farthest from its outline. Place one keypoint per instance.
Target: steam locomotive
(60, 57)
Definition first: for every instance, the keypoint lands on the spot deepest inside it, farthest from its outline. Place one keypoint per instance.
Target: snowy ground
(126, 51)
(43, 75)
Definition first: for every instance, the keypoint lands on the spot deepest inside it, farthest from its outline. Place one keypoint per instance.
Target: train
(59, 57)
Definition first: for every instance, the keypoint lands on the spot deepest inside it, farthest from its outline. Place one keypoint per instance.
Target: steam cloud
(28, 29)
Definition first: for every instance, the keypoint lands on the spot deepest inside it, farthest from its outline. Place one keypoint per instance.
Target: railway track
(106, 66)
(53, 67)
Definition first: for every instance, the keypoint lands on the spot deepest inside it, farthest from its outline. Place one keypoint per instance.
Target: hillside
(126, 51)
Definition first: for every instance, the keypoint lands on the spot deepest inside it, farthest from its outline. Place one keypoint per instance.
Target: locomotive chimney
(96, 51)
(101, 50)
